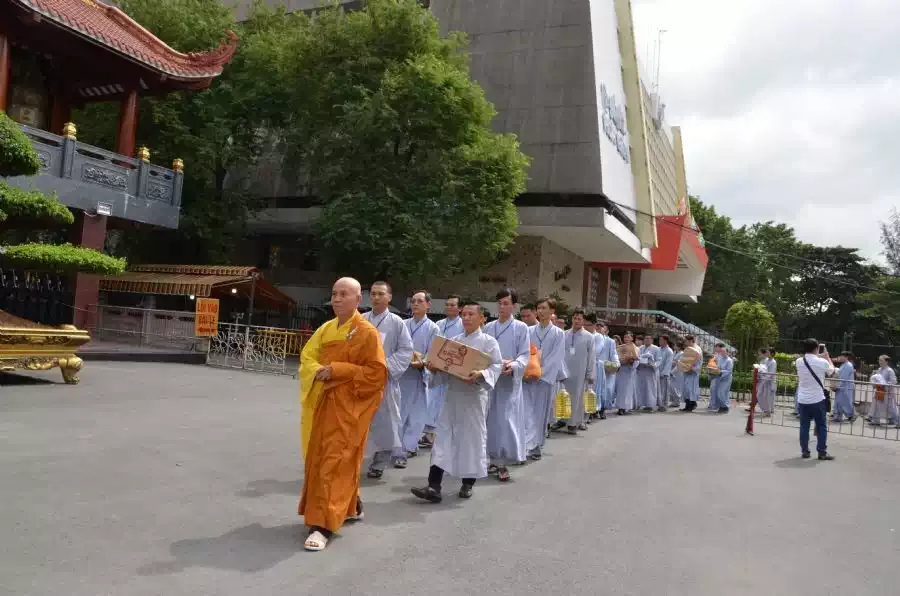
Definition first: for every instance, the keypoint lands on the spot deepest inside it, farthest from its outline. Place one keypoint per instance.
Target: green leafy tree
(882, 309)
(750, 326)
(218, 132)
(395, 139)
(37, 210)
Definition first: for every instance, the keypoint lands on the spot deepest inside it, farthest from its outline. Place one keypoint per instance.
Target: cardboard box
(455, 358)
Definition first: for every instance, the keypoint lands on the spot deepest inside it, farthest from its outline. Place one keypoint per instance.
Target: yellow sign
(206, 321)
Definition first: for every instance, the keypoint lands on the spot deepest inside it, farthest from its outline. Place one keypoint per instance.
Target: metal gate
(248, 347)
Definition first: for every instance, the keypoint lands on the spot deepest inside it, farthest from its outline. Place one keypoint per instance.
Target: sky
(790, 109)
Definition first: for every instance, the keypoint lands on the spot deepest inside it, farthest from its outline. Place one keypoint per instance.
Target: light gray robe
(413, 399)
(384, 434)
(581, 366)
(551, 340)
(460, 443)
(506, 417)
(449, 329)
(646, 388)
(666, 358)
(625, 386)
(765, 385)
(677, 380)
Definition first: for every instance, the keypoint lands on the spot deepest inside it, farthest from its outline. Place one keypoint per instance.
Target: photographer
(812, 368)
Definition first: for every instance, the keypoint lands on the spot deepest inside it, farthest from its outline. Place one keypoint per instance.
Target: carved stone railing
(94, 179)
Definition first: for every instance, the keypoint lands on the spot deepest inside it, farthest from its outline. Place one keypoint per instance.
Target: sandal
(315, 541)
(503, 475)
(493, 469)
(400, 464)
(359, 515)
(373, 473)
(582, 426)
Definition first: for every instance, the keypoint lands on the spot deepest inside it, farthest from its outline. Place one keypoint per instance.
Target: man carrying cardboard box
(460, 446)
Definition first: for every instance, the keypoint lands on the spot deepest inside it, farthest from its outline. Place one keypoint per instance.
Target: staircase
(661, 322)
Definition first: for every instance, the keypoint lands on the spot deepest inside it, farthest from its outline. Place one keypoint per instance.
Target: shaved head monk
(342, 377)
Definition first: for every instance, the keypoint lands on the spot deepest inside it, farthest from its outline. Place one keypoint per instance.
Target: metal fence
(874, 411)
(261, 349)
(147, 328)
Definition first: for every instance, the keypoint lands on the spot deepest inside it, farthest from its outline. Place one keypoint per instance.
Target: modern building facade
(563, 76)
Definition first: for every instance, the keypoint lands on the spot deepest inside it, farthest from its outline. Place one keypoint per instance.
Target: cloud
(788, 108)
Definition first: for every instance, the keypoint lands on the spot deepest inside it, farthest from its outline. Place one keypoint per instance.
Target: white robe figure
(539, 395)
(676, 382)
(720, 385)
(448, 328)
(604, 351)
(690, 388)
(506, 416)
(765, 385)
(460, 442)
(580, 366)
(664, 370)
(609, 397)
(646, 386)
(384, 434)
(887, 408)
(843, 397)
(625, 379)
(413, 399)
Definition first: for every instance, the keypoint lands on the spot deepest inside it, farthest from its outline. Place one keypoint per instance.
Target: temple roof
(109, 27)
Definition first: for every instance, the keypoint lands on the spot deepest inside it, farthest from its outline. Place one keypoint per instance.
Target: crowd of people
(368, 389)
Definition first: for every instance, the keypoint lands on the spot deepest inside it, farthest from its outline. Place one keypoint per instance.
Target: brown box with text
(455, 358)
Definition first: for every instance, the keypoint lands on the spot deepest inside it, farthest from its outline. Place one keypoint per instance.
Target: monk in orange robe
(342, 377)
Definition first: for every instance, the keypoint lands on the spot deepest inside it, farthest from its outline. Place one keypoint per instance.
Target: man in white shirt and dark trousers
(811, 371)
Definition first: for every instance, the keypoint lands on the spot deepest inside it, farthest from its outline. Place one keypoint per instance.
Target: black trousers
(436, 476)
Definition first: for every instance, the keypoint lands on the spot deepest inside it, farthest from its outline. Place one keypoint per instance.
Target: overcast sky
(790, 109)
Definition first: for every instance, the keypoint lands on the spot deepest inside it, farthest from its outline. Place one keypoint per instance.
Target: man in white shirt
(811, 372)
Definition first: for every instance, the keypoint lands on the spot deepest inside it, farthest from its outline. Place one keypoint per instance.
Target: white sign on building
(615, 143)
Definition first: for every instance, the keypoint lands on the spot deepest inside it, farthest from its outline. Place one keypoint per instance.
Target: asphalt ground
(151, 479)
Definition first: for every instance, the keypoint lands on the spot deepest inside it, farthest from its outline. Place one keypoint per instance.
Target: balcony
(98, 181)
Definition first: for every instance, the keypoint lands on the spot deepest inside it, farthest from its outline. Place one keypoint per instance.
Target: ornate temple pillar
(5, 69)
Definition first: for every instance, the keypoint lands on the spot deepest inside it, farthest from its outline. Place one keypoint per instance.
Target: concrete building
(564, 77)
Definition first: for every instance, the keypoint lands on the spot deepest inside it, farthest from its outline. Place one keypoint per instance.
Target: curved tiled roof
(112, 28)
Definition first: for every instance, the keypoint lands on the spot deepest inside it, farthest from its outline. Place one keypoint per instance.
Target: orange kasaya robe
(341, 416)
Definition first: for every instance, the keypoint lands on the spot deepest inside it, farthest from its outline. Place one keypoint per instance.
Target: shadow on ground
(16, 379)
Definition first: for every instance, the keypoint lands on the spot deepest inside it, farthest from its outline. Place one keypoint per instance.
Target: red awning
(672, 233)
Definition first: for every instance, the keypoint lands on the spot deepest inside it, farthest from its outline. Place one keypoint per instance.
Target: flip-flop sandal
(492, 469)
(503, 475)
(315, 542)
(376, 474)
(400, 464)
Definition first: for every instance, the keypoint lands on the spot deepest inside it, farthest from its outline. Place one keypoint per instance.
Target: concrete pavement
(152, 479)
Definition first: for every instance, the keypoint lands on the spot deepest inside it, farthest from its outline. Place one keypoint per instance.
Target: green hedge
(17, 156)
(32, 205)
(62, 258)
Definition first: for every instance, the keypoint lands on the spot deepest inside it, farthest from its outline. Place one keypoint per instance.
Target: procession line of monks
(366, 386)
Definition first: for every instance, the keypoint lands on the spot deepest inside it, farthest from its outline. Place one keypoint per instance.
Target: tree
(882, 309)
(750, 326)
(824, 296)
(395, 139)
(218, 132)
(890, 239)
(18, 158)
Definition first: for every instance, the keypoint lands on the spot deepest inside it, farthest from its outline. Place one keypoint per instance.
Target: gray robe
(384, 434)
(551, 340)
(413, 399)
(666, 359)
(460, 442)
(506, 417)
(449, 329)
(646, 388)
(581, 367)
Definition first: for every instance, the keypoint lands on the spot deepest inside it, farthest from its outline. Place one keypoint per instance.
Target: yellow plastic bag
(590, 402)
(563, 404)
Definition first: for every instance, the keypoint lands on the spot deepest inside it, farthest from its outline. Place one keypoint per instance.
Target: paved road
(166, 479)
